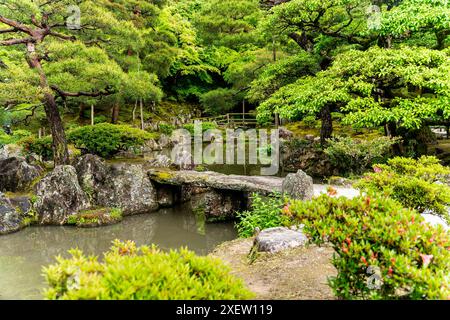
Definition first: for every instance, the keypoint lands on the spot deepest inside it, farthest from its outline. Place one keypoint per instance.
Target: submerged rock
(59, 195)
(298, 186)
(17, 175)
(10, 218)
(277, 239)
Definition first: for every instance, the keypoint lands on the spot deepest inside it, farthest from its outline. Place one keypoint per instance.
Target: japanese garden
(224, 150)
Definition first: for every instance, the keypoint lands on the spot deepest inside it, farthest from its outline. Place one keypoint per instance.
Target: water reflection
(23, 254)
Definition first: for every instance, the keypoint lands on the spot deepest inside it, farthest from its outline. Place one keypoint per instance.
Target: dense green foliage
(420, 184)
(107, 139)
(264, 213)
(383, 251)
(357, 156)
(14, 138)
(144, 273)
(41, 147)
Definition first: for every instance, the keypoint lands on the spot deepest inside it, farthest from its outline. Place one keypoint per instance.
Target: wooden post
(92, 115)
(228, 120)
(142, 115)
(40, 133)
(243, 111)
(277, 120)
(134, 111)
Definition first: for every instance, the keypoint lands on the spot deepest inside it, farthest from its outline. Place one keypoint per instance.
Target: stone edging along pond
(92, 192)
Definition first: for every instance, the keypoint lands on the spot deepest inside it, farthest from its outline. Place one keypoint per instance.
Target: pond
(23, 254)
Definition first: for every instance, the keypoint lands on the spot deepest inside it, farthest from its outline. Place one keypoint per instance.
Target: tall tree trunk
(60, 151)
(115, 113)
(327, 125)
(392, 130)
(142, 114)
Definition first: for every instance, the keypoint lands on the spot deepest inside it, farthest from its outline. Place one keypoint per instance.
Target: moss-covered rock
(95, 218)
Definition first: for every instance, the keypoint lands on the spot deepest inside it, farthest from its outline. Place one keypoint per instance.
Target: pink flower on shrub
(377, 170)
(426, 259)
(287, 210)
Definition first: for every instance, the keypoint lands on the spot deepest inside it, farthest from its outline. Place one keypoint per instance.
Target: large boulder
(298, 186)
(93, 174)
(128, 187)
(124, 185)
(59, 195)
(277, 239)
(17, 175)
(10, 151)
(10, 218)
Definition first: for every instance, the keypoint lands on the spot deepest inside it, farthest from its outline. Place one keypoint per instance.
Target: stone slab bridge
(221, 196)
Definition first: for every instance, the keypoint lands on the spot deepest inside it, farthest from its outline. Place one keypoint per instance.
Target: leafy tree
(69, 61)
(229, 23)
(402, 87)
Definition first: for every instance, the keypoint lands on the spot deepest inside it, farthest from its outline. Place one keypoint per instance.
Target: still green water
(23, 254)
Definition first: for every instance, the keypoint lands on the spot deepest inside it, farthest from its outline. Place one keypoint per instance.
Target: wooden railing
(232, 120)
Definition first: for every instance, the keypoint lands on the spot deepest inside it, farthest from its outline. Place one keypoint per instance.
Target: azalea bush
(128, 272)
(106, 140)
(264, 213)
(420, 184)
(355, 156)
(38, 146)
(382, 250)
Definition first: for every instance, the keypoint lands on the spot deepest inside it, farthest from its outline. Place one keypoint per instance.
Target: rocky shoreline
(92, 183)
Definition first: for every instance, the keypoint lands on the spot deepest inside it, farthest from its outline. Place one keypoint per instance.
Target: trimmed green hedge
(145, 273)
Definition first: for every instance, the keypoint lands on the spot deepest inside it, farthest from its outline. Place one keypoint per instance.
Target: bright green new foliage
(145, 273)
(420, 184)
(265, 213)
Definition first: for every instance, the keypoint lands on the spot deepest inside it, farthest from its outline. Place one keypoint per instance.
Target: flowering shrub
(382, 250)
(145, 273)
(41, 147)
(419, 184)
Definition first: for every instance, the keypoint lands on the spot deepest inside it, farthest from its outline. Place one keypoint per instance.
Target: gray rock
(164, 141)
(298, 186)
(128, 187)
(59, 195)
(9, 151)
(92, 173)
(122, 185)
(17, 175)
(222, 205)
(285, 133)
(10, 218)
(263, 185)
(277, 239)
(161, 161)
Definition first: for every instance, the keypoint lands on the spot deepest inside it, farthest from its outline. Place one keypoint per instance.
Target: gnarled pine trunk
(60, 151)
